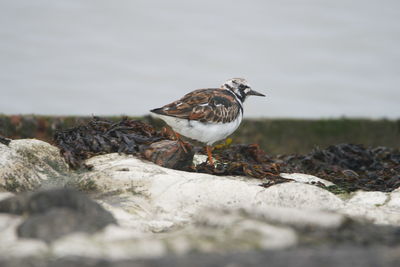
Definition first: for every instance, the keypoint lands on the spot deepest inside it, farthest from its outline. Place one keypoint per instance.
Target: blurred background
(312, 58)
(330, 69)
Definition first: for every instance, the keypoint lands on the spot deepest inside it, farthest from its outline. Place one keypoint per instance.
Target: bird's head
(240, 88)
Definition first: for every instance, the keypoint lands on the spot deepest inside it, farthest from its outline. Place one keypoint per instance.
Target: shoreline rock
(160, 211)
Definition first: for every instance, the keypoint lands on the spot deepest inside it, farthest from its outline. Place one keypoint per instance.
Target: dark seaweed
(245, 160)
(101, 136)
(350, 167)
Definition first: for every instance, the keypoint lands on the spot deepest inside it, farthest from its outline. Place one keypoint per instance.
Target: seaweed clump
(161, 147)
(349, 166)
(101, 136)
(244, 160)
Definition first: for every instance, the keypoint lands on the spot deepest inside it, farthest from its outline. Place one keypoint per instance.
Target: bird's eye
(242, 87)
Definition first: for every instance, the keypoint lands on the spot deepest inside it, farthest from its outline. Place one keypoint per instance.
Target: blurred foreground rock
(160, 211)
(52, 214)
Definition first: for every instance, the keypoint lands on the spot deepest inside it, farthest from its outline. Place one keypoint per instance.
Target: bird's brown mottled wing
(205, 105)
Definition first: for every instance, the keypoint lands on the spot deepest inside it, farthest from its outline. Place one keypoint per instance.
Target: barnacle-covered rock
(27, 163)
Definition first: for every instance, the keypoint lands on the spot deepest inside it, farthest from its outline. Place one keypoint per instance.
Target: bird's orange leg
(170, 134)
(209, 154)
(178, 138)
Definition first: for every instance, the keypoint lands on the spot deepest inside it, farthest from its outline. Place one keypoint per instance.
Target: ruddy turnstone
(208, 115)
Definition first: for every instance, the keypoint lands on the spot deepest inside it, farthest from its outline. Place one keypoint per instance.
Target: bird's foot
(209, 154)
(181, 142)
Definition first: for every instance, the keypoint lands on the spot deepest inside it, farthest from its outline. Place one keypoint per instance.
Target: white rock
(101, 246)
(4, 195)
(377, 207)
(305, 178)
(161, 210)
(368, 198)
(300, 196)
(154, 194)
(377, 215)
(210, 231)
(199, 158)
(150, 223)
(25, 164)
(13, 247)
(238, 232)
(299, 217)
(183, 192)
(8, 225)
(394, 200)
(162, 194)
(24, 248)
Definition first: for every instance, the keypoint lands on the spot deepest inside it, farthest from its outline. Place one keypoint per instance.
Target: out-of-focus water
(312, 58)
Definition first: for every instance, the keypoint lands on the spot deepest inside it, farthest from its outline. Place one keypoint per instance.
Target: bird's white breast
(208, 133)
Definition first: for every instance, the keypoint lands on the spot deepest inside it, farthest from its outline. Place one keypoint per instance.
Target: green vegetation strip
(275, 136)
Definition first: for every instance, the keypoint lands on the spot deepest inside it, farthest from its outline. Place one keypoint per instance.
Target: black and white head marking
(239, 87)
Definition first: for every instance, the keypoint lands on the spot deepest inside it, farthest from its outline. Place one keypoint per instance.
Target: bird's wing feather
(204, 105)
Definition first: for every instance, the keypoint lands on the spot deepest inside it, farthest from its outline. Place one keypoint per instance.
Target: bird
(208, 115)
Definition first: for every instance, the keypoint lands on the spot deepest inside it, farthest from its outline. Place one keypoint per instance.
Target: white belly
(208, 133)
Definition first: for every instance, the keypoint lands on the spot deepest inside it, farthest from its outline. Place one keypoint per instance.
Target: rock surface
(160, 211)
(28, 163)
(55, 213)
(347, 256)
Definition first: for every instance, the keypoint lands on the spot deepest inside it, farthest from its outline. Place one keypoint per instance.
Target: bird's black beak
(252, 92)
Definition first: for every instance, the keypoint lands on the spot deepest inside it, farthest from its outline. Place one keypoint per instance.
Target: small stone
(199, 159)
